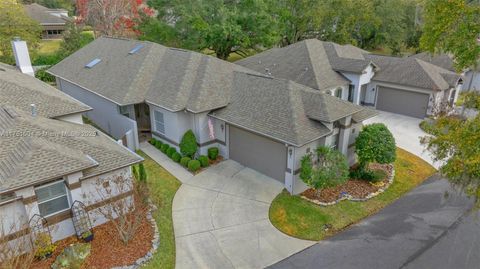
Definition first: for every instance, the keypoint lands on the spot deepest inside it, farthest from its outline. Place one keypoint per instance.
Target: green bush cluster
(194, 165)
(203, 160)
(170, 151)
(184, 161)
(164, 148)
(176, 157)
(152, 141)
(213, 153)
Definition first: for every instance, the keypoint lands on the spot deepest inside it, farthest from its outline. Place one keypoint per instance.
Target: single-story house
(265, 123)
(406, 86)
(52, 21)
(49, 159)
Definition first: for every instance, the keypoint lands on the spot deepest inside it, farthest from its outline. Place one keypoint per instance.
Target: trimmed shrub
(203, 160)
(213, 153)
(164, 148)
(176, 157)
(375, 143)
(194, 165)
(184, 161)
(152, 141)
(135, 172)
(170, 151)
(188, 145)
(142, 173)
(158, 144)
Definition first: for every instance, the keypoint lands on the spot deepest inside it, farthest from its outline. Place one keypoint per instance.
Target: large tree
(221, 26)
(14, 22)
(453, 27)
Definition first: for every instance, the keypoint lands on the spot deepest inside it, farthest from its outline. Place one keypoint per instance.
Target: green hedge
(194, 165)
(158, 144)
(184, 161)
(203, 160)
(170, 152)
(176, 157)
(152, 141)
(164, 148)
(188, 144)
(213, 153)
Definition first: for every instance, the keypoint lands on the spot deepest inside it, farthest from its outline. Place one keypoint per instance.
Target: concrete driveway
(221, 220)
(407, 133)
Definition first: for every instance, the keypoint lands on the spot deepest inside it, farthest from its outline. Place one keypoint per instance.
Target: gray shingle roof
(41, 14)
(20, 90)
(346, 58)
(172, 78)
(442, 60)
(37, 149)
(282, 109)
(304, 62)
(413, 72)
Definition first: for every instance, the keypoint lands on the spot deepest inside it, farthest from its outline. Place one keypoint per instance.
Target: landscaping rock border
(349, 197)
(155, 241)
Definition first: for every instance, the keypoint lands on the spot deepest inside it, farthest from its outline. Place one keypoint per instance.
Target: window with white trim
(159, 122)
(124, 110)
(52, 198)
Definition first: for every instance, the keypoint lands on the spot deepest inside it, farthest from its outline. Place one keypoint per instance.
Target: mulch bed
(210, 163)
(106, 248)
(356, 188)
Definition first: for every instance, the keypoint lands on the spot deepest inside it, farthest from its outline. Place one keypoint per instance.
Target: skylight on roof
(136, 49)
(93, 63)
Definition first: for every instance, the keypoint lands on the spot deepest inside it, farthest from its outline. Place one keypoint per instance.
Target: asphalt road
(433, 226)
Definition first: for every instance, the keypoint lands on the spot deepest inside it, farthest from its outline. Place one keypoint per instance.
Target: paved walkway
(407, 133)
(429, 227)
(221, 219)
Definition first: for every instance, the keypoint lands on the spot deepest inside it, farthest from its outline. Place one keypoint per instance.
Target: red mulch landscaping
(210, 163)
(106, 248)
(357, 188)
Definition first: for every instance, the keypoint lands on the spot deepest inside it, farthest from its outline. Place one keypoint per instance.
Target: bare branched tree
(17, 252)
(125, 213)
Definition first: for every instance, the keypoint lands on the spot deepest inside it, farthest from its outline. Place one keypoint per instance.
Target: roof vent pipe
(34, 110)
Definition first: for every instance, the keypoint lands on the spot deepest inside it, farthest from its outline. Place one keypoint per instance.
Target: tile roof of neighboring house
(20, 90)
(34, 150)
(283, 109)
(442, 60)
(42, 14)
(304, 62)
(172, 78)
(413, 72)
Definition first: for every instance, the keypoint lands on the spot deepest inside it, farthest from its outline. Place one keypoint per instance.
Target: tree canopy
(14, 22)
(453, 27)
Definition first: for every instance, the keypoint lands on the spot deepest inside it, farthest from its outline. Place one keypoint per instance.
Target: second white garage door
(413, 104)
(259, 153)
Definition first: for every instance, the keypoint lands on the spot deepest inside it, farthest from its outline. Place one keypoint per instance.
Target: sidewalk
(172, 167)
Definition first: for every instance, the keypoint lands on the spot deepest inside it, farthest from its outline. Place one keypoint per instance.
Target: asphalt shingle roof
(42, 14)
(37, 149)
(175, 79)
(304, 62)
(20, 90)
(282, 109)
(442, 60)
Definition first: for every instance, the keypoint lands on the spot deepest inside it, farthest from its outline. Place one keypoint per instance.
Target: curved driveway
(221, 220)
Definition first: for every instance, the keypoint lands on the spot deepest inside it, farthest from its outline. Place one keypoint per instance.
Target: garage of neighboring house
(259, 153)
(409, 103)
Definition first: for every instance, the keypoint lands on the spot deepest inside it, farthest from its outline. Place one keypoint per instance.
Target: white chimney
(34, 110)
(22, 58)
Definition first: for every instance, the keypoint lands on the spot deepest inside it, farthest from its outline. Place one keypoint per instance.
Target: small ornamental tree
(142, 174)
(188, 145)
(375, 143)
(331, 169)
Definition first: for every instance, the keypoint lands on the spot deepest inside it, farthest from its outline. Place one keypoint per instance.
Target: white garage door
(259, 153)
(413, 104)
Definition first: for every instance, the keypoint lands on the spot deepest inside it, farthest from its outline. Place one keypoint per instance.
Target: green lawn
(49, 46)
(302, 219)
(162, 186)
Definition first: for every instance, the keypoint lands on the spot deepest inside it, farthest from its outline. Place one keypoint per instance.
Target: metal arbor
(80, 218)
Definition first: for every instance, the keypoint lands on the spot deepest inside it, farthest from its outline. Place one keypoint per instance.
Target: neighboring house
(401, 85)
(265, 123)
(52, 21)
(49, 159)
(471, 75)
